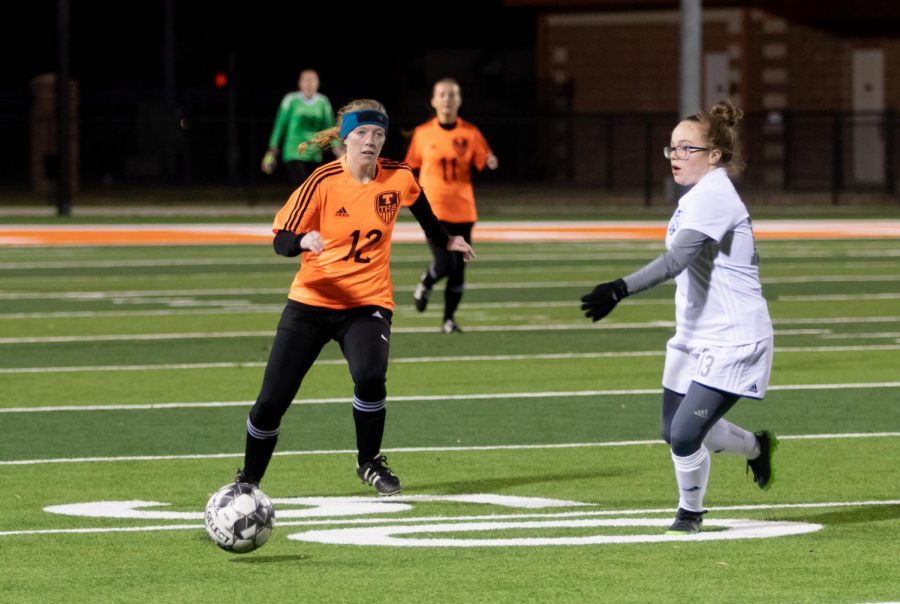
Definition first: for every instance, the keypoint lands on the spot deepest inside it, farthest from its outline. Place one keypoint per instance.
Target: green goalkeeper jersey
(297, 121)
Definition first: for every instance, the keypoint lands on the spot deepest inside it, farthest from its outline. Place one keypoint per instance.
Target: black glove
(603, 299)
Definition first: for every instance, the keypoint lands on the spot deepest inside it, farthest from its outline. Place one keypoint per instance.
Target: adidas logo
(701, 413)
(753, 388)
(342, 213)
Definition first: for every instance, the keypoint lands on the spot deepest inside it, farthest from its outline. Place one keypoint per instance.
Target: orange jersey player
(445, 157)
(444, 150)
(356, 222)
(340, 221)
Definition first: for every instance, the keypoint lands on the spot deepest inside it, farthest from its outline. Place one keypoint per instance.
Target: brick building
(815, 79)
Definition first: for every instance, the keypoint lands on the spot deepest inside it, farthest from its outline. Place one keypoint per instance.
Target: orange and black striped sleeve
(303, 203)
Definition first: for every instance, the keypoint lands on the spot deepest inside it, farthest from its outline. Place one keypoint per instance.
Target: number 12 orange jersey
(445, 159)
(356, 222)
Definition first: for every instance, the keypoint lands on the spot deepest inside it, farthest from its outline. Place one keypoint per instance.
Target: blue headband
(351, 120)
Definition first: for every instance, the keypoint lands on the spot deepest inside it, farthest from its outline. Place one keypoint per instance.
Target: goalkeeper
(300, 116)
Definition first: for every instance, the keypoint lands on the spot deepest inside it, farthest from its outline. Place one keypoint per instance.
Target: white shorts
(742, 370)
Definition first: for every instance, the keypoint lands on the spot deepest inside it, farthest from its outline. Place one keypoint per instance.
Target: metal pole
(63, 184)
(837, 168)
(648, 161)
(169, 87)
(691, 47)
(232, 130)
(689, 65)
(890, 183)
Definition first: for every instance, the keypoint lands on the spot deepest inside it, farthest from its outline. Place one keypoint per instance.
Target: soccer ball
(239, 517)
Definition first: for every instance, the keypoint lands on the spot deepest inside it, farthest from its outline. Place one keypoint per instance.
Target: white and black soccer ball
(239, 517)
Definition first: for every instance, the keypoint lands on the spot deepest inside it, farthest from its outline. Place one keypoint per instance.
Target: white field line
(623, 443)
(510, 230)
(838, 297)
(485, 274)
(423, 398)
(454, 519)
(438, 359)
(862, 335)
(486, 258)
(194, 335)
(831, 279)
(275, 261)
(511, 285)
(277, 308)
(207, 335)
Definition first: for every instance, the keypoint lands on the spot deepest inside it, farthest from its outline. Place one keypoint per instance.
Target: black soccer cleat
(421, 294)
(241, 477)
(763, 472)
(686, 522)
(377, 474)
(450, 326)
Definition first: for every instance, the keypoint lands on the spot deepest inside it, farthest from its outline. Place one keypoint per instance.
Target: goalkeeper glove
(603, 299)
(270, 161)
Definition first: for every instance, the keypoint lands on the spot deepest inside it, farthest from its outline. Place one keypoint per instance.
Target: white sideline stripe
(113, 295)
(135, 337)
(598, 254)
(423, 397)
(831, 279)
(277, 308)
(838, 297)
(106, 295)
(271, 332)
(395, 259)
(853, 336)
(198, 335)
(451, 519)
(623, 443)
(444, 359)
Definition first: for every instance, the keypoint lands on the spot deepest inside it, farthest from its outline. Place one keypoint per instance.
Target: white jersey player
(723, 343)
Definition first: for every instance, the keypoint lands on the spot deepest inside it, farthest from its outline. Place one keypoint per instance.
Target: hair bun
(727, 112)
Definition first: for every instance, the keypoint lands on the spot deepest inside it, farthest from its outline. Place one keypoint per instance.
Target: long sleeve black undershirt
(287, 243)
(421, 210)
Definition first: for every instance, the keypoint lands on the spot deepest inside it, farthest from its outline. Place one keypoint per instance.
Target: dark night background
(120, 45)
(388, 51)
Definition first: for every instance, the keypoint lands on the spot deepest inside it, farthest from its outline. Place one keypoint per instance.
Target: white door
(868, 96)
(715, 78)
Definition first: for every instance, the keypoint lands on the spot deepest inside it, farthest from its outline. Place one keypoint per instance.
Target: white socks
(725, 437)
(692, 474)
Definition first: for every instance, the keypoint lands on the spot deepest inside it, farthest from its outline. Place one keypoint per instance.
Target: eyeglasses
(682, 152)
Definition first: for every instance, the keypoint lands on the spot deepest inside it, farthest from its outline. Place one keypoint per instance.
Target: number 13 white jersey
(718, 298)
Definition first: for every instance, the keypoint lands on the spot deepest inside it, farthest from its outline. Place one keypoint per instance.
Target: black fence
(617, 152)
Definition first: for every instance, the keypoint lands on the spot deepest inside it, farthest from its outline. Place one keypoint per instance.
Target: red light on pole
(221, 79)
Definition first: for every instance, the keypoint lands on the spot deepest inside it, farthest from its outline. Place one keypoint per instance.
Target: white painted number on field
(303, 507)
(499, 530)
(397, 536)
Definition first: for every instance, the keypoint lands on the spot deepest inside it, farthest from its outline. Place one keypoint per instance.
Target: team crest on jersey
(386, 206)
(460, 145)
(673, 223)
